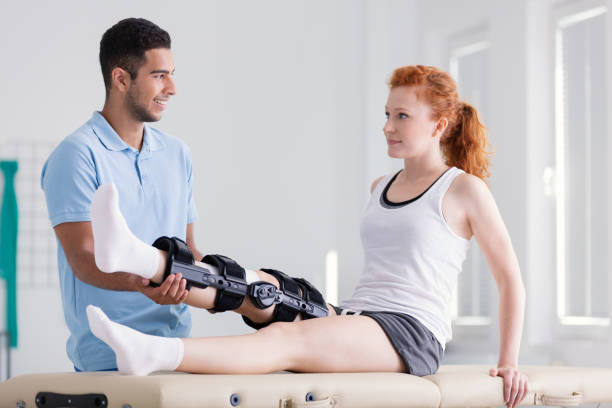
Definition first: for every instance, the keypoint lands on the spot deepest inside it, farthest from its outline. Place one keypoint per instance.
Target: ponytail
(465, 144)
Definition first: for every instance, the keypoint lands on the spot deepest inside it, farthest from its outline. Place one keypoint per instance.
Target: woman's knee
(279, 330)
(290, 335)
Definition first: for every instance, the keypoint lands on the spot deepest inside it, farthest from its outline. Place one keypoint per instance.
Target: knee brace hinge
(264, 295)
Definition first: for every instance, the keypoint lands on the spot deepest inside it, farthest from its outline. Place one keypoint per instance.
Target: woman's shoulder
(468, 187)
(375, 183)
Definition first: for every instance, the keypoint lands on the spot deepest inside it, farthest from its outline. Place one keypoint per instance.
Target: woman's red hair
(464, 142)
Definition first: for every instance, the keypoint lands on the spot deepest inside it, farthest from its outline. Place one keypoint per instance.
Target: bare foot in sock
(116, 248)
(137, 353)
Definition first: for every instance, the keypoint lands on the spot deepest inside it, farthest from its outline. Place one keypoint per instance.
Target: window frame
(570, 327)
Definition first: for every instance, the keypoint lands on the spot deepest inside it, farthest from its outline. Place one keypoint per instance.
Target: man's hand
(515, 384)
(171, 292)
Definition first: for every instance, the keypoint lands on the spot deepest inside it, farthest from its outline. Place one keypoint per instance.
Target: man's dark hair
(124, 45)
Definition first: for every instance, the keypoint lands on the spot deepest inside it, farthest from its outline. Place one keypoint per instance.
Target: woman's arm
(488, 228)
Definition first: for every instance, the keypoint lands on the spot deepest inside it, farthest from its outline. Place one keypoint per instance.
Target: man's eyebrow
(161, 71)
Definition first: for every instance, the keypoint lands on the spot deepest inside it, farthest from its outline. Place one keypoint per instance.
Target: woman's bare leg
(334, 344)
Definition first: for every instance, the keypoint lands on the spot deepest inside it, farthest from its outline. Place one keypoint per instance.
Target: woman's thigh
(339, 344)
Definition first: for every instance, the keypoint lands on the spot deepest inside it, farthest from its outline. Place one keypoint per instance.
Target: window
(469, 66)
(582, 172)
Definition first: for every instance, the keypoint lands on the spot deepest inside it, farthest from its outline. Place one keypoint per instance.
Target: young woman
(415, 232)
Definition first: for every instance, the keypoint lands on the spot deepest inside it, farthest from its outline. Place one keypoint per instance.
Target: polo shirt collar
(151, 140)
(111, 140)
(107, 135)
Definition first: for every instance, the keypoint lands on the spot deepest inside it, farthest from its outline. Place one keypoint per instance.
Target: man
(153, 175)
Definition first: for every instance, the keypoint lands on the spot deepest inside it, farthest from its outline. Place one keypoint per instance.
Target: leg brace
(294, 296)
(230, 283)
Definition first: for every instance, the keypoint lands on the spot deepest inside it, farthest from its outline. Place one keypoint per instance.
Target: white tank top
(412, 257)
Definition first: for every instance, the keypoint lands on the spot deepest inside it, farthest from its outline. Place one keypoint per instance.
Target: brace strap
(313, 298)
(231, 288)
(233, 285)
(230, 283)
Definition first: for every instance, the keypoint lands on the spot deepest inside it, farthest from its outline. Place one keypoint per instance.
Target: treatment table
(451, 386)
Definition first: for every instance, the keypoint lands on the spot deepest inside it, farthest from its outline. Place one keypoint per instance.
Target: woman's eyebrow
(398, 108)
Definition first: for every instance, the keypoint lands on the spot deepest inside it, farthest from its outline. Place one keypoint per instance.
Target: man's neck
(131, 131)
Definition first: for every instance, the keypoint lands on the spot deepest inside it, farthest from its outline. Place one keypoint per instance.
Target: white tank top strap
(382, 184)
(437, 191)
(444, 182)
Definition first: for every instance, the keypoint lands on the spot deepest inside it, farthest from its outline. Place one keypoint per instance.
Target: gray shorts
(416, 345)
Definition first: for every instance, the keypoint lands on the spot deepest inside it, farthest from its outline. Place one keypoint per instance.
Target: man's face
(149, 93)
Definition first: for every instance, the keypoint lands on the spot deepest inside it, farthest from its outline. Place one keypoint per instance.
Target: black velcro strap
(283, 312)
(231, 271)
(177, 250)
(310, 295)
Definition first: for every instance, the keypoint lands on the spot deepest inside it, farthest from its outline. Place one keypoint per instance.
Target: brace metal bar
(202, 278)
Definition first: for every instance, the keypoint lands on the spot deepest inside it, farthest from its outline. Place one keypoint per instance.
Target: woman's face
(409, 129)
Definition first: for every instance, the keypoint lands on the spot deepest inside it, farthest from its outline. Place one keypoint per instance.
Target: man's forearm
(85, 269)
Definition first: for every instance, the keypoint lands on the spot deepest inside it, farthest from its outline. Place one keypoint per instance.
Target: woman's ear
(441, 125)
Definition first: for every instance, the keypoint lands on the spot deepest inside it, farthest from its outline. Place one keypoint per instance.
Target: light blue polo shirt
(155, 197)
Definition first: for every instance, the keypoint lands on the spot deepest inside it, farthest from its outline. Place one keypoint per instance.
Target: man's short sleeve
(69, 181)
(192, 212)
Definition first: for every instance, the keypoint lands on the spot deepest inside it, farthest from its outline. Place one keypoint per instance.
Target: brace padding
(177, 250)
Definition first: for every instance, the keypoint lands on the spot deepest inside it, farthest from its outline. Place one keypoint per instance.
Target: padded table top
(471, 385)
(217, 391)
(452, 386)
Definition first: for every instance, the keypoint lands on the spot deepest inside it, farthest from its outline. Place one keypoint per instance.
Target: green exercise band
(8, 246)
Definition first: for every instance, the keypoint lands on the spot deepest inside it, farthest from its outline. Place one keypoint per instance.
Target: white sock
(116, 248)
(137, 353)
